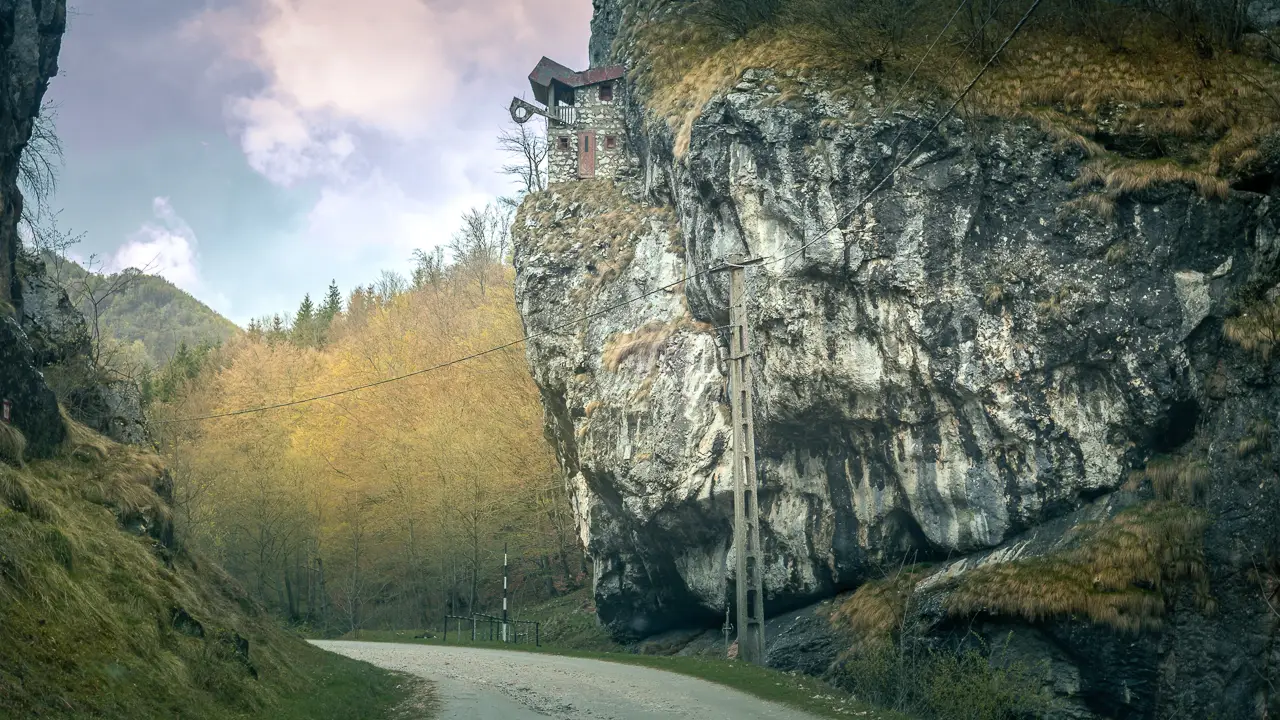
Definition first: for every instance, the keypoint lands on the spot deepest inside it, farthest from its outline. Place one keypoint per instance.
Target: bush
(968, 684)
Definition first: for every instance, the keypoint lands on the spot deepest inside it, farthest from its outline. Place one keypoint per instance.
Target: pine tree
(332, 303)
(277, 331)
(306, 311)
(304, 324)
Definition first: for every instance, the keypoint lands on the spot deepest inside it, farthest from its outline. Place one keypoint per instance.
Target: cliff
(1034, 331)
(29, 44)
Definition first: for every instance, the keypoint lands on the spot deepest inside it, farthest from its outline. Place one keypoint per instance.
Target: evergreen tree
(277, 331)
(306, 311)
(332, 303)
(304, 324)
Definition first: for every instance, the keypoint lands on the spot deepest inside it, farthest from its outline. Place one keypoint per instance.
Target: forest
(389, 506)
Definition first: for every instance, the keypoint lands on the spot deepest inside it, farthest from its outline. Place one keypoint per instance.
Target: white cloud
(166, 247)
(388, 109)
(402, 69)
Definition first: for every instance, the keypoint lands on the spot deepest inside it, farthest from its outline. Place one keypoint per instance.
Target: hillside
(147, 312)
(106, 615)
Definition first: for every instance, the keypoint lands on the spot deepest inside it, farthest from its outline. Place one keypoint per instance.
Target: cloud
(405, 69)
(166, 247)
(387, 110)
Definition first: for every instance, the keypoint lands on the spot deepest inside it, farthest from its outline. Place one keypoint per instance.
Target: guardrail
(489, 627)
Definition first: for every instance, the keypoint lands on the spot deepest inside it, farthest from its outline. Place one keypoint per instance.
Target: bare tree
(526, 144)
(481, 244)
(429, 268)
(389, 285)
(38, 168)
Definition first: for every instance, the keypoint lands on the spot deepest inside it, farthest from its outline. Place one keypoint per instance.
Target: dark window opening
(610, 142)
(564, 143)
(586, 144)
(606, 93)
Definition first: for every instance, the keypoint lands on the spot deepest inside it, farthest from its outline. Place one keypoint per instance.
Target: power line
(443, 365)
(911, 153)
(623, 303)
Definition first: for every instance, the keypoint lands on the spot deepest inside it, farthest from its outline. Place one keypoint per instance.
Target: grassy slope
(155, 313)
(569, 628)
(89, 601)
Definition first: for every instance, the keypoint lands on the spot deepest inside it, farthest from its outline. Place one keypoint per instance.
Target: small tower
(585, 125)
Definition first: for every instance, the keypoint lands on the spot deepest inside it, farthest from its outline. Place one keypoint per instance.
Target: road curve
(482, 684)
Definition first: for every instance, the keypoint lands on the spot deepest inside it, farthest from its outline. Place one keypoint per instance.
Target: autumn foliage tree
(388, 506)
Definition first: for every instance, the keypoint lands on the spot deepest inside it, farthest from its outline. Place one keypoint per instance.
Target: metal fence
(490, 628)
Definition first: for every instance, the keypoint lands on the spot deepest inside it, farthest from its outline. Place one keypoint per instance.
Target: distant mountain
(148, 312)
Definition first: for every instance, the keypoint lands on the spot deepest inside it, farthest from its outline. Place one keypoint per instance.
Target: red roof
(549, 71)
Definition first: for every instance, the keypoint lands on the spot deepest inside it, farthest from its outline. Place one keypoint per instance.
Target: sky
(251, 151)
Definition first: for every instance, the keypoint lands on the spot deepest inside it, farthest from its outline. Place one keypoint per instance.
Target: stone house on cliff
(585, 125)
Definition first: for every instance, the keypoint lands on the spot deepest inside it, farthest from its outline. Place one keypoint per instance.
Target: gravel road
(481, 684)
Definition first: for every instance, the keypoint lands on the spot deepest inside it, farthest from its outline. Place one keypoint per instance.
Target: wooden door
(587, 154)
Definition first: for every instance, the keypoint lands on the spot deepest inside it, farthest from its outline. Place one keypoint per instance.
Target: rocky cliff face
(967, 361)
(30, 37)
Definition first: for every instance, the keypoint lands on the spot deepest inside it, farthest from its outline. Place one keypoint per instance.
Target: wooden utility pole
(746, 507)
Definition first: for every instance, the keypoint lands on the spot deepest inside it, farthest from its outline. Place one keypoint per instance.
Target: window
(610, 142)
(586, 143)
(564, 143)
(606, 92)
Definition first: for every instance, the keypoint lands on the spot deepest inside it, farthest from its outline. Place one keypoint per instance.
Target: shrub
(968, 684)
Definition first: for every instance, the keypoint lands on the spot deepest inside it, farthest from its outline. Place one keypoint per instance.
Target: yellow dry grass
(13, 445)
(686, 64)
(1119, 575)
(646, 343)
(1256, 329)
(1257, 438)
(876, 609)
(1176, 478)
(1158, 98)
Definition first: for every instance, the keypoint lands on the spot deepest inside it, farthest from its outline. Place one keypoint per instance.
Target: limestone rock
(963, 361)
(29, 51)
(34, 408)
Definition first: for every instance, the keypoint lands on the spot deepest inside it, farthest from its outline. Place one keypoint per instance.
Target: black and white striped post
(504, 592)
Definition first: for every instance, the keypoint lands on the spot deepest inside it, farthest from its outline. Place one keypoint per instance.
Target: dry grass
(13, 445)
(1120, 574)
(1117, 254)
(591, 408)
(876, 609)
(686, 64)
(1176, 478)
(647, 343)
(1256, 329)
(89, 609)
(1257, 439)
(1157, 98)
(993, 296)
(1053, 307)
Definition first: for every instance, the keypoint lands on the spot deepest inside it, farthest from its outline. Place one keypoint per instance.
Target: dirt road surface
(481, 684)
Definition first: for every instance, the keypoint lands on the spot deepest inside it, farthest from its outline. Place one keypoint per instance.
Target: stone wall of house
(606, 118)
